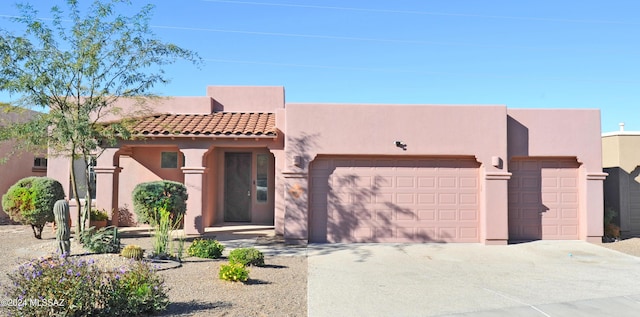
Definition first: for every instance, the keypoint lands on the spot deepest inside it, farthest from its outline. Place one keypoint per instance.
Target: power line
(369, 39)
(352, 38)
(413, 71)
(423, 12)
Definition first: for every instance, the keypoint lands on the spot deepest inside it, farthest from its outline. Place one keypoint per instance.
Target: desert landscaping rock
(277, 289)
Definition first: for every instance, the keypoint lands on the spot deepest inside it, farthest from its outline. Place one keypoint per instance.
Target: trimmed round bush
(208, 249)
(233, 272)
(149, 197)
(247, 257)
(30, 201)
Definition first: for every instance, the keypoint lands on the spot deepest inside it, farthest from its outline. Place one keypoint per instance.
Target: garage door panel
(447, 199)
(405, 197)
(543, 199)
(569, 198)
(447, 215)
(569, 213)
(468, 199)
(430, 215)
(427, 182)
(405, 182)
(469, 233)
(469, 215)
(426, 198)
(406, 215)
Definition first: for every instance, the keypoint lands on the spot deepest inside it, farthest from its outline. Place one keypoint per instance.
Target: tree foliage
(75, 67)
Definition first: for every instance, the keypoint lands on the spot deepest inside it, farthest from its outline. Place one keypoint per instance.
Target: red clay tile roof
(220, 123)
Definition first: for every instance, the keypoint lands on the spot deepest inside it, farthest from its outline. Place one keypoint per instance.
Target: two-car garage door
(394, 200)
(362, 199)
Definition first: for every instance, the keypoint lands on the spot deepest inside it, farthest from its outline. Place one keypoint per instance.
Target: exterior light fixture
(401, 145)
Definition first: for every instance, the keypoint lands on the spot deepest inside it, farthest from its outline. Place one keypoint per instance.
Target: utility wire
(419, 72)
(423, 12)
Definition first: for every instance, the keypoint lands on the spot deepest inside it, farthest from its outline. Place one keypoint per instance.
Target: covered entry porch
(230, 176)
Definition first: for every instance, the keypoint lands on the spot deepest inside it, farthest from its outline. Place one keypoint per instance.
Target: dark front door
(237, 186)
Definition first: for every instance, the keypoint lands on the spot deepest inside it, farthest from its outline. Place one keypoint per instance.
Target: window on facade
(262, 177)
(39, 164)
(80, 168)
(169, 160)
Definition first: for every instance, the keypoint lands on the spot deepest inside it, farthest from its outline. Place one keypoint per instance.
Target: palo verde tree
(75, 66)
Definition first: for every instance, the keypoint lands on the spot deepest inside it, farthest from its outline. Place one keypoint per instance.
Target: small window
(40, 162)
(39, 165)
(262, 188)
(81, 168)
(169, 160)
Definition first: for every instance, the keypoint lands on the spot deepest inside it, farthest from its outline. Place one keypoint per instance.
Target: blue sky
(524, 54)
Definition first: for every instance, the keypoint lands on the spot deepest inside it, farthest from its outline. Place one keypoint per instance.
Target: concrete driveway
(543, 278)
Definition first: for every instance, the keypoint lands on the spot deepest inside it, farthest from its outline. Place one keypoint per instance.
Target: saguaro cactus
(63, 229)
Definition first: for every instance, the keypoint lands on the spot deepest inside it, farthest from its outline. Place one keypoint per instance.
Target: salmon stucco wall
(246, 98)
(142, 164)
(565, 133)
(478, 131)
(355, 129)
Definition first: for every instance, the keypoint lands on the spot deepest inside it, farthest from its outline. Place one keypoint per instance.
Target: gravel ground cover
(277, 289)
(628, 246)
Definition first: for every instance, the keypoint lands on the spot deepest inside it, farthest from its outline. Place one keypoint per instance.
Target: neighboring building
(621, 160)
(17, 164)
(364, 173)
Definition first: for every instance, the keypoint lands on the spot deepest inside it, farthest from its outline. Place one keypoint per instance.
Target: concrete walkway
(544, 278)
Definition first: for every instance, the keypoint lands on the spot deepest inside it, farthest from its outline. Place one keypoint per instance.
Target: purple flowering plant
(72, 286)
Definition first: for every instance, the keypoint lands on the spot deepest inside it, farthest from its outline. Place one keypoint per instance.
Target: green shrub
(98, 215)
(150, 197)
(30, 202)
(75, 287)
(136, 289)
(247, 256)
(103, 240)
(209, 249)
(234, 272)
(163, 246)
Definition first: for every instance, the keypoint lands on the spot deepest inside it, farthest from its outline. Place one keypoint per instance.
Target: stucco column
(107, 172)
(279, 196)
(494, 221)
(107, 190)
(194, 180)
(296, 218)
(594, 208)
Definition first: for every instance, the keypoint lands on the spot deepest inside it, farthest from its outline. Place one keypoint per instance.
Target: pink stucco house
(364, 173)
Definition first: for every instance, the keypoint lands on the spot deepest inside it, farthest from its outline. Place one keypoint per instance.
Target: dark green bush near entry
(208, 249)
(247, 256)
(30, 202)
(149, 197)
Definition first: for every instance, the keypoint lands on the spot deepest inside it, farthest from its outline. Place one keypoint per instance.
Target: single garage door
(543, 199)
(394, 200)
